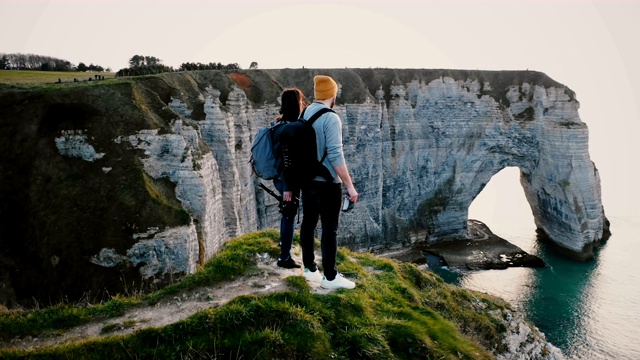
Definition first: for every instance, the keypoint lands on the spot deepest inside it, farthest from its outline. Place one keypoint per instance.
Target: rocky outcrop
(523, 341)
(481, 250)
(119, 183)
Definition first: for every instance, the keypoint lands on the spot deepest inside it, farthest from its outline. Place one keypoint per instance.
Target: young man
(322, 198)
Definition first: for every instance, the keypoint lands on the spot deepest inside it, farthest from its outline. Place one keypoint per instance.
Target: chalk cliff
(125, 184)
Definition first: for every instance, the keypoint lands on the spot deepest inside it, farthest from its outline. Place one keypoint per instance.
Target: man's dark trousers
(321, 200)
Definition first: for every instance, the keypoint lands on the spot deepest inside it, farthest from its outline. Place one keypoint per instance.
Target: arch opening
(503, 207)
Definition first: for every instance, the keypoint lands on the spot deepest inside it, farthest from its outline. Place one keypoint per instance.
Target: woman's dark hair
(293, 102)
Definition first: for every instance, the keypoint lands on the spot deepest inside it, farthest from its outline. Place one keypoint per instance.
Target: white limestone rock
(440, 145)
(179, 156)
(418, 159)
(174, 251)
(180, 108)
(524, 341)
(74, 144)
(107, 257)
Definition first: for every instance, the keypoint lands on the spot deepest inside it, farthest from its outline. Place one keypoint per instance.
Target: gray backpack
(263, 157)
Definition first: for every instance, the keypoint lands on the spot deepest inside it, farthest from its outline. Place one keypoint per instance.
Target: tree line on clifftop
(43, 63)
(147, 65)
(138, 65)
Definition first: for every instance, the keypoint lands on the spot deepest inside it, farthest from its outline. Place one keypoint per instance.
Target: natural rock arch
(468, 137)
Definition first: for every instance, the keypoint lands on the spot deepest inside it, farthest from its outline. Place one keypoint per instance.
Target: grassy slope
(397, 311)
(40, 77)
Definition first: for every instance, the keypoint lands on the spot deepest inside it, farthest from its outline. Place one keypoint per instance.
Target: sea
(590, 310)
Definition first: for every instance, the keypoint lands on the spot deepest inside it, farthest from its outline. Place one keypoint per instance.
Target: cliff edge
(134, 182)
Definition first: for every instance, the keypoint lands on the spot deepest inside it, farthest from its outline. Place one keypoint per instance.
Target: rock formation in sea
(130, 183)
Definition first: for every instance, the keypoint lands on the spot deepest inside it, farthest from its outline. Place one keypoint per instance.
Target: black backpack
(297, 142)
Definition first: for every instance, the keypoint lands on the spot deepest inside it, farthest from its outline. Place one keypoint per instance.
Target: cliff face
(125, 184)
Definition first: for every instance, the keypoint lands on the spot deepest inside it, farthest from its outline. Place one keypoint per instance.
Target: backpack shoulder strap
(315, 116)
(312, 119)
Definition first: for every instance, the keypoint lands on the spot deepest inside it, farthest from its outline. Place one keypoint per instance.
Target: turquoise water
(590, 310)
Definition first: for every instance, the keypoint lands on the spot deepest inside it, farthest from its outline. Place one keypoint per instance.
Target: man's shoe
(312, 276)
(340, 282)
(288, 264)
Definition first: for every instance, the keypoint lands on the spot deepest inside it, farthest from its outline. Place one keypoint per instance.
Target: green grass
(59, 317)
(39, 77)
(234, 259)
(397, 311)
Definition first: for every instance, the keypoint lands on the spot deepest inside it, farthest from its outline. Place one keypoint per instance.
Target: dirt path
(269, 279)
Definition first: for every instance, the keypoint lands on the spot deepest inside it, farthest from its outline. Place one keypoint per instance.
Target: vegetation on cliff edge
(397, 311)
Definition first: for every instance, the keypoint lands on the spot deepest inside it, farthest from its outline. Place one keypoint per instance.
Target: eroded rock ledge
(480, 250)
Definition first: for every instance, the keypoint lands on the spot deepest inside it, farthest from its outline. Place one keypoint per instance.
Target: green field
(40, 77)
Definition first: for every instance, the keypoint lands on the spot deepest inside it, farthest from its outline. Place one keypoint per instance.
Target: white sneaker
(340, 282)
(312, 276)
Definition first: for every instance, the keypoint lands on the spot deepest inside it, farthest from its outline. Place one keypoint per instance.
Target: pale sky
(591, 46)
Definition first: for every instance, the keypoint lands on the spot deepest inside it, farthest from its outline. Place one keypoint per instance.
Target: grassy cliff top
(44, 77)
(265, 85)
(397, 311)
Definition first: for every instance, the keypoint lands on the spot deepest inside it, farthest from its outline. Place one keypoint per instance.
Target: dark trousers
(320, 200)
(286, 224)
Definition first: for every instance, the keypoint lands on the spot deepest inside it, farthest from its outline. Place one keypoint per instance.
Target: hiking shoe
(312, 276)
(340, 282)
(288, 264)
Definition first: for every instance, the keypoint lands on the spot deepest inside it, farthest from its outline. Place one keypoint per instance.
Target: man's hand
(353, 194)
(343, 173)
(286, 196)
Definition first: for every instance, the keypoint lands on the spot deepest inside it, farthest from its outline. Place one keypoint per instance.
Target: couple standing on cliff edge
(321, 197)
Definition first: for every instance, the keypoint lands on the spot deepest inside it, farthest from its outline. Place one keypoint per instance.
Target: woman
(292, 103)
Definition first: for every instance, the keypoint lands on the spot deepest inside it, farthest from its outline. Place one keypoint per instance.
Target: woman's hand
(286, 196)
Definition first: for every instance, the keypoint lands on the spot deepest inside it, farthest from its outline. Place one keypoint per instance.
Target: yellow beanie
(324, 87)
